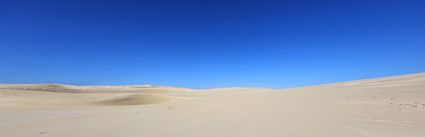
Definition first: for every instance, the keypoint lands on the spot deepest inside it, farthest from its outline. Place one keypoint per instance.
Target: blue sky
(209, 43)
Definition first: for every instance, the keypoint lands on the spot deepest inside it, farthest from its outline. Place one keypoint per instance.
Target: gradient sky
(209, 43)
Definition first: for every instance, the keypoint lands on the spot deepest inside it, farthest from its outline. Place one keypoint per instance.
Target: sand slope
(383, 107)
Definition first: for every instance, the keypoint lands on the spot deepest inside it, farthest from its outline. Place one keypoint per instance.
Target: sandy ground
(383, 107)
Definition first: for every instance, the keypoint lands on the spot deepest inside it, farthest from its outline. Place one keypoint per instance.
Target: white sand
(384, 107)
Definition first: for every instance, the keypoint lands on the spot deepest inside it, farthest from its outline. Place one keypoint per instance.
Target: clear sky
(209, 43)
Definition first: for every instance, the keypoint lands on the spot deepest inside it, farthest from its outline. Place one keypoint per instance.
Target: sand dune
(382, 107)
(88, 89)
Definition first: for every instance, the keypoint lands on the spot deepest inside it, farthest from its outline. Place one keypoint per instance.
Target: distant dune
(381, 107)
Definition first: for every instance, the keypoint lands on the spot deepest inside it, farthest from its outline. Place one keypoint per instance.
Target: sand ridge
(382, 107)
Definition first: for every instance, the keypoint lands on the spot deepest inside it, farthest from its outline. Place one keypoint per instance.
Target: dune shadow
(136, 99)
